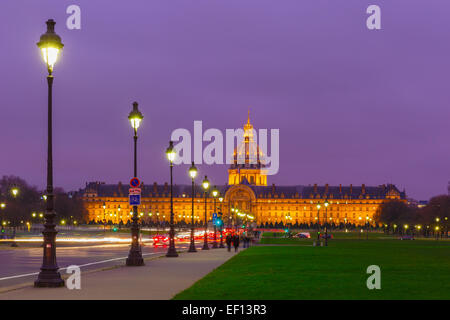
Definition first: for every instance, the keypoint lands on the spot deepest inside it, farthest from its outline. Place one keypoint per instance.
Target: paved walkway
(160, 279)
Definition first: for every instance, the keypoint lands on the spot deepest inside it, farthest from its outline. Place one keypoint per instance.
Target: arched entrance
(239, 197)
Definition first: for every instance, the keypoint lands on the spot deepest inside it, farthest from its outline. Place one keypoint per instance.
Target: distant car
(160, 240)
(303, 235)
(328, 236)
(406, 237)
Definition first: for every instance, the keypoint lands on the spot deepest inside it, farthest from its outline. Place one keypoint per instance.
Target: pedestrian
(247, 240)
(228, 240)
(236, 242)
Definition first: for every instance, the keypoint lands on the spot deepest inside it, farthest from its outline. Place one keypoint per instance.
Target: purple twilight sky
(352, 105)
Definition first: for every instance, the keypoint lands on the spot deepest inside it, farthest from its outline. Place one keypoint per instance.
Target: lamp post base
(215, 246)
(135, 259)
(205, 246)
(192, 247)
(172, 253)
(49, 279)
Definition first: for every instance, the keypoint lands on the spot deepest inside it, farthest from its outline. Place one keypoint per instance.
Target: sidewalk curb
(65, 276)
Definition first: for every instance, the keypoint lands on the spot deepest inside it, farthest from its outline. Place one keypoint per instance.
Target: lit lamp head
(215, 192)
(2, 205)
(220, 199)
(205, 183)
(318, 207)
(135, 116)
(193, 171)
(326, 203)
(15, 192)
(170, 152)
(50, 45)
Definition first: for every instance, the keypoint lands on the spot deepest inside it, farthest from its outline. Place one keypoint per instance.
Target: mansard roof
(296, 191)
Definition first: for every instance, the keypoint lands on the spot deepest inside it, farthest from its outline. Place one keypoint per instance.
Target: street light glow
(170, 152)
(135, 116)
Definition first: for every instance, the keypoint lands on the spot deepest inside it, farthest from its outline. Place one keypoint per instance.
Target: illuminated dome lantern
(248, 160)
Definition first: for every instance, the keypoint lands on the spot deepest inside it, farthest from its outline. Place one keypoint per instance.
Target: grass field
(418, 269)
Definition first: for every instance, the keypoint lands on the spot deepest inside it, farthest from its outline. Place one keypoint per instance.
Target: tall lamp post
(205, 185)
(2, 207)
(326, 223)
(215, 193)
(221, 225)
(318, 223)
(135, 254)
(367, 227)
(50, 46)
(193, 174)
(172, 252)
(14, 192)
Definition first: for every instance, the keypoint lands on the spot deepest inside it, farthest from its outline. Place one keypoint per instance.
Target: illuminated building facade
(247, 190)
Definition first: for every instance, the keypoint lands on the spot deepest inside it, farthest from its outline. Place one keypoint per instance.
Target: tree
(395, 212)
(20, 206)
(437, 207)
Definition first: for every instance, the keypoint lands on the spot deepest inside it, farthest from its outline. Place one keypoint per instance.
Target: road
(21, 265)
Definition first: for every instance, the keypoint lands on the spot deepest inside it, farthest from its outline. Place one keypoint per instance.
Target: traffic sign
(135, 199)
(214, 215)
(134, 191)
(135, 182)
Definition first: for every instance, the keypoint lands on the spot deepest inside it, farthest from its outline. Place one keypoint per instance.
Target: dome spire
(248, 126)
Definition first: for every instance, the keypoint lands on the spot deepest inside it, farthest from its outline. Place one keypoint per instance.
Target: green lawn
(418, 269)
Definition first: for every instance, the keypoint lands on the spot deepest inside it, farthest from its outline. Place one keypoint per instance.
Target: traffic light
(115, 229)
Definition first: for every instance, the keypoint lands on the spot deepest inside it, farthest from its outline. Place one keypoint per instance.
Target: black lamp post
(193, 174)
(326, 223)
(172, 252)
(14, 192)
(205, 185)
(318, 223)
(221, 225)
(135, 254)
(2, 207)
(215, 193)
(50, 45)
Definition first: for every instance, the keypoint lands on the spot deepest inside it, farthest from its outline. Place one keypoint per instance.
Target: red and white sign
(135, 191)
(135, 183)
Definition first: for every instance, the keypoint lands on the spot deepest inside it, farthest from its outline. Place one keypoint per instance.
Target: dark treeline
(21, 203)
(396, 216)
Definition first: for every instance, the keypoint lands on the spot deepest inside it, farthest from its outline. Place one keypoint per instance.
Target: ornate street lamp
(50, 46)
(221, 225)
(215, 193)
(193, 174)
(205, 185)
(326, 223)
(318, 223)
(172, 252)
(2, 207)
(135, 254)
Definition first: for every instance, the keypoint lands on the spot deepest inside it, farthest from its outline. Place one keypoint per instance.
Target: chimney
(155, 187)
(326, 188)
(119, 185)
(166, 187)
(273, 187)
(340, 188)
(363, 188)
(351, 188)
(315, 187)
